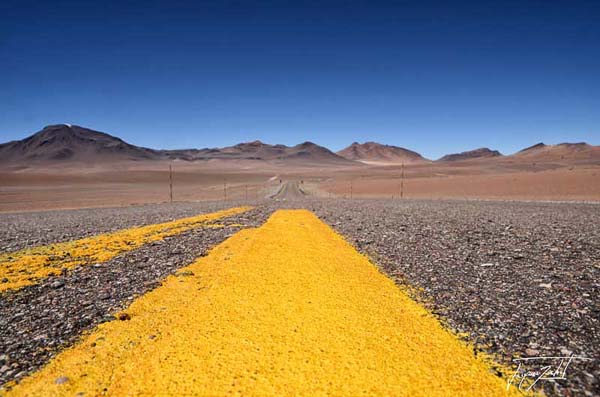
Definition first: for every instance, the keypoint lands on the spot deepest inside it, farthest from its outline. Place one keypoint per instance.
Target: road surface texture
(515, 279)
(27, 267)
(323, 321)
(32, 229)
(290, 190)
(36, 321)
(518, 278)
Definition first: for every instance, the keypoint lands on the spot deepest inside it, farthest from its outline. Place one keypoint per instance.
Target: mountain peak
(307, 144)
(66, 141)
(255, 143)
(561, 151)
(539, 145)
(378, 153)
(471, 154)
(56, 126)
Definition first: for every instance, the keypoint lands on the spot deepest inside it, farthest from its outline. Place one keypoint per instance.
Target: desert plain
(501, 253)
(55, 187)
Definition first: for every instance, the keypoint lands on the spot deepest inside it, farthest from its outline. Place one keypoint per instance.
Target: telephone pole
(402, 183)
(171, 182)
(224, 190)
(350, 190)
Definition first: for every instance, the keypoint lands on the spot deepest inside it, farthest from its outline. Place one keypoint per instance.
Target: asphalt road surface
(289, 190)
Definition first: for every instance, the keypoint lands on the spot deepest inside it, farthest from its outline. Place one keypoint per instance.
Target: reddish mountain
(373, 152)
(563, 151)
(307, 153)
(471, 154)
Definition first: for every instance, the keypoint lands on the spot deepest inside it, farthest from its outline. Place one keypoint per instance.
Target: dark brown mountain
(533, 148)
(471, 154)
(307, 153)
(378, 153)
(65, 143)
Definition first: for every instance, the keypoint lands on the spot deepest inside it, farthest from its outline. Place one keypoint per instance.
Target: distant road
(289, 190)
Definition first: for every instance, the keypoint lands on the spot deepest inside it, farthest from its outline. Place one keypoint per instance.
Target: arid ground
(494, 257)
(512, 279)
(62, 188)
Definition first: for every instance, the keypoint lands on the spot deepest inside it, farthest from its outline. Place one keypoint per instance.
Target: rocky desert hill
(306, 152)
(373, 152)
(471, 154)
(65, 144)
(563, 151)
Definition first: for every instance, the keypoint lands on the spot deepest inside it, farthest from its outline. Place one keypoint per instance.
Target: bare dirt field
(560, 184)
(105, 187)
(148, 182)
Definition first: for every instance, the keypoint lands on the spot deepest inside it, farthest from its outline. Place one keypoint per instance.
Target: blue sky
(435, 77)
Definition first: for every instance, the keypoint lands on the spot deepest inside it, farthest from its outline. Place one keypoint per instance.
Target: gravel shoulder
(519, 278)
(38, 321)
(29, 229)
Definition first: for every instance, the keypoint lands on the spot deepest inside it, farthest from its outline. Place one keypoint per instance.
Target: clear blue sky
(435, 77)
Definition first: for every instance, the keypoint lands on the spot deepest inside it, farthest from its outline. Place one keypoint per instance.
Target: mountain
(307, 153)
(471, 154)
(65, 143)
(533, 148)
(309, 150)
(373, 152)
(580, 151)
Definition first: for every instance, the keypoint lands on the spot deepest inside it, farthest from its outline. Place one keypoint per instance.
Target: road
(289, 308)
(28, 267)
(289, 190)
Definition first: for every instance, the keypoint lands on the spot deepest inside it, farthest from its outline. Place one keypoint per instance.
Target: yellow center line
(28, 267)
(289, 308)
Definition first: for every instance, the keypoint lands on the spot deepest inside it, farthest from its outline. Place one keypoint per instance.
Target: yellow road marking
(27, 267)
(289, 308)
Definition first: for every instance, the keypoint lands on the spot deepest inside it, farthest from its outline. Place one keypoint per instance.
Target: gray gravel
(525, 277)
(38, 321)
(30, 229)
(520, 278)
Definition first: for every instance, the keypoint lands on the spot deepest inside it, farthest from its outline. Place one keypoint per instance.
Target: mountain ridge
(479, 153)
(374, 152)
(65, 142)
(566, 150)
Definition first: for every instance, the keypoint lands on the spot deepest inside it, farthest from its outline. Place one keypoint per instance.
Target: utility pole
(171, 182)
(246, 193)
(350, 190)
(224, 190)
(402, 183)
